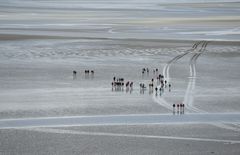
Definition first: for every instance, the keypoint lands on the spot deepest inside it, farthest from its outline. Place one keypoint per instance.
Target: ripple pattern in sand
(61, 50)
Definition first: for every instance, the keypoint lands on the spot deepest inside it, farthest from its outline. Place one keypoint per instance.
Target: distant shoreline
(8, 37)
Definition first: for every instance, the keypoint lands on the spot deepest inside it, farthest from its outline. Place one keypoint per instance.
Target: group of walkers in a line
(142, 88)
(87, 73)
(147, 70)
(118, 84)
(178, 108)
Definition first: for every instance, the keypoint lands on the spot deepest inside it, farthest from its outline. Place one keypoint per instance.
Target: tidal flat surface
(45, 109)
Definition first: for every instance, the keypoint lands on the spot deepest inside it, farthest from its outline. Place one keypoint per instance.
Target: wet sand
(52, 92)
(104, 120)
(143, 139)
(46, 110)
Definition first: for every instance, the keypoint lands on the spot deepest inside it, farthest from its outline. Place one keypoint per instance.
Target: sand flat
(47, 110)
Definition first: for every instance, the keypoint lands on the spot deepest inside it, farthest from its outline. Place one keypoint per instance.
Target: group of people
(178, 108)
(142, 86)
(88, 73)
(160, 82)
(146, 70)
(118, 84)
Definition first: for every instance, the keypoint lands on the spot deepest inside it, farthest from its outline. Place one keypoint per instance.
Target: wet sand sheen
(119, 120)
(45, 111)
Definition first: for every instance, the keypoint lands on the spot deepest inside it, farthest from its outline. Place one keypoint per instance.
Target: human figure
(131, 84)
(162, 85)
(183, 107)
(74, 74)
(86, 74)
(169, 86)
(92, 74)
(174, 108)
(143, 70)
(127, 84)
(143, 85)
(150, 85)
(178, 108)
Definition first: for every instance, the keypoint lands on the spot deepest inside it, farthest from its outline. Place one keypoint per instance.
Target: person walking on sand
(169, 86)
(131, 84)
(174, 108)
(74, 75)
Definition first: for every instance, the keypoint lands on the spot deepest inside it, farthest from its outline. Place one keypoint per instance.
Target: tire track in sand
(128, 135)
(189, 95)
(167, 66)
(160, 100)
